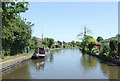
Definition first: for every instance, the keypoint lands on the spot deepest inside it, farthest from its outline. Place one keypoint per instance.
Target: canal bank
(102, 57)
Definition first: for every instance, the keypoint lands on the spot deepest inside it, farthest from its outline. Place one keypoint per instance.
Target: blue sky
(64, 20)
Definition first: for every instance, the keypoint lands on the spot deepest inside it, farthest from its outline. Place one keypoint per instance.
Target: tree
(85, 42)
(51, 41)
(73, 43)
(99, 38)
(77, 43)
(91, 44)
(16, 36)
(12, 9)
(45, 41)
(36, 41)
(84, 33)
(16, 32)
(48, 42)
(33, 42)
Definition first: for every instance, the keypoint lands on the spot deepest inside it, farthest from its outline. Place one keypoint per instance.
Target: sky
(65, 20)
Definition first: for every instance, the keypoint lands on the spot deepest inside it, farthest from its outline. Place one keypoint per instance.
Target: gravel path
(12, 60)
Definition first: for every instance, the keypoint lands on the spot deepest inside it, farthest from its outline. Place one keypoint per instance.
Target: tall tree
(15, 31)
(99, 38)
(84, 33)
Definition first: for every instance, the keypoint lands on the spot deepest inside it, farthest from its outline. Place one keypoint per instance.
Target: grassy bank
(16, 57)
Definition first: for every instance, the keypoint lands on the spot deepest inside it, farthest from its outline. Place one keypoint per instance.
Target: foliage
(12, 9)
(41, 45)
(16, 35)
(33, 43)
(48, 42)
(99, 38)
(57, 46)
(118, 48)
(72, 43)
(84, 44)
(91, 44)
(94, 50)
(66, 46)
(53, 46)
(105, 50)
(78, 43)
(113, 45)
(16, 32)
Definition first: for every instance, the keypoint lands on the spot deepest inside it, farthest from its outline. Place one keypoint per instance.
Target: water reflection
(88, 62)
(39, 64)
(110, 70)
(20, 71)
(51, 57)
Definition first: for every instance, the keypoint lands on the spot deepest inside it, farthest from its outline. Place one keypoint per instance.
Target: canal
(64, 64)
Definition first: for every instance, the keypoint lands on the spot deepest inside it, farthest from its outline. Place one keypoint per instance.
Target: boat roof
(46, 48)
(41, 47)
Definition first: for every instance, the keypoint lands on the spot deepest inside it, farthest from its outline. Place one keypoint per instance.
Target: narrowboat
(40, 52)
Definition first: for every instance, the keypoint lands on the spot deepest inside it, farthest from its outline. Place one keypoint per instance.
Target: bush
(94, 50)
(91, 44)
(118, 48)
(57, 46)
(64, 46)
(67, 46)
(53, 46)
(99, 38)
(113, 45)
(105, 51)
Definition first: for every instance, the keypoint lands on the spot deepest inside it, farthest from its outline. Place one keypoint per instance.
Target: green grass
(15, 56)
(13, 61)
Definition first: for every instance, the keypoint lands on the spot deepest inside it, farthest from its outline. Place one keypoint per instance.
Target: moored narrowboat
(40, 52)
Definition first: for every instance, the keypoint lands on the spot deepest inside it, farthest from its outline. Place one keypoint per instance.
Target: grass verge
(6, 58)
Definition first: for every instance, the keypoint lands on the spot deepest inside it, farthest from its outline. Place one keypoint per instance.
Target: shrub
(91, 44)
(64, 46)
(118, 48)
(67, 46)
(113, 45)
(105, 51)
(52, 46)
(94, 50)
(99, 38)
(57, 46)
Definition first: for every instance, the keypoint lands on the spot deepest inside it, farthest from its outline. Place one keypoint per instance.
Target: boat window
(42, 51)
(36, 50)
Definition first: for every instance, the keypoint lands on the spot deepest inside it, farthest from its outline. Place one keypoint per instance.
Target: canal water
(64, 64)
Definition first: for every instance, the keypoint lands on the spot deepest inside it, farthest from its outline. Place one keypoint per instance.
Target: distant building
(112, 38)
(64, 43)
(38, 39)
(99, 45)
(68, 43)
(56, 43)
(59, 42)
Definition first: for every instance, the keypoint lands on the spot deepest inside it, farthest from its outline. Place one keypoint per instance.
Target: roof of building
(112, 38)
(39, 39)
